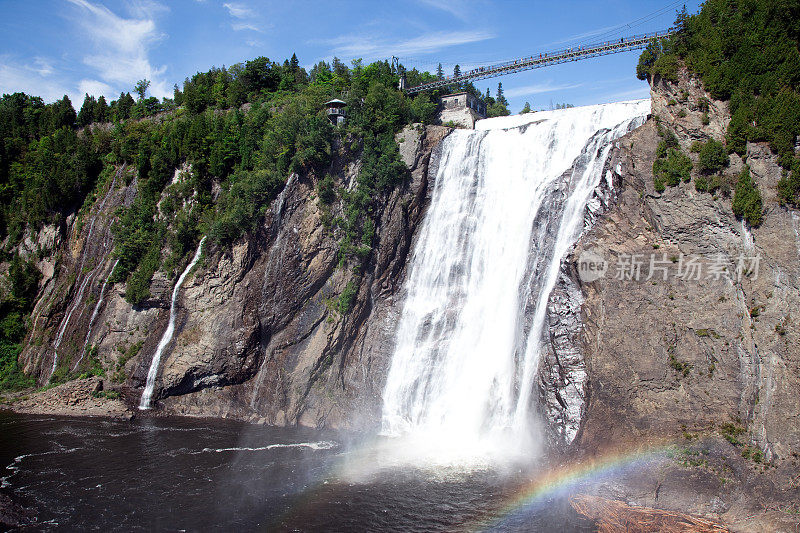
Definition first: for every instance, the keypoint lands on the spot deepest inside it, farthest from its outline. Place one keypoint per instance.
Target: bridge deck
(545, 60)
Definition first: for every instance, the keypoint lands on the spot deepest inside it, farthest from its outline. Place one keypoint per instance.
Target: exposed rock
(258, 335)
(672, 357)
(78, 397)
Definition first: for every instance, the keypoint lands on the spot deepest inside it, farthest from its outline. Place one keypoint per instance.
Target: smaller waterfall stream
(94, 315)
(76, 301)
(277, 253)
(167, 337)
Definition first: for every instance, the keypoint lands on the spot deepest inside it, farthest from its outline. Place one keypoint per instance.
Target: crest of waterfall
(503, 215)
(144, 403)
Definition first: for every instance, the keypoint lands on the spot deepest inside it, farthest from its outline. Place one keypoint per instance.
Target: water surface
(183, 474)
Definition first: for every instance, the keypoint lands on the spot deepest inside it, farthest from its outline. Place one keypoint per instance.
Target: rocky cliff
(259, 335)
(691, 336)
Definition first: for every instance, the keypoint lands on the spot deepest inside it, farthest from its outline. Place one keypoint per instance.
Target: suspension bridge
(547, 59)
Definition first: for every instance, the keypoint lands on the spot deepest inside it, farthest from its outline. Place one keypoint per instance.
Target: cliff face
(699, 345)
(258, 334)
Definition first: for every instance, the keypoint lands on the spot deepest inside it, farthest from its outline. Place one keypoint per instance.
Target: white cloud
(372, 47)
(94, 88)
(239, 26)
(16, 77)
(42, 66)
(539, 88)
(239, 11)
(457, 8)
(245, 17)
(122, 45)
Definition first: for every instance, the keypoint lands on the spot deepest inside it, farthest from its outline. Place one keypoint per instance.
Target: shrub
(673, 168)
(789, 186)
(713, 157)
(747, 202)
(347, 297)
(326, 190)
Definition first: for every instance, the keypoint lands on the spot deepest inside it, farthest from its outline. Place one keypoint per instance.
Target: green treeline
(55, 162)
(746, 52)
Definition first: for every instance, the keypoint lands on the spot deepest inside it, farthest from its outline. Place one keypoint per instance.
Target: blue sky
(55, 47)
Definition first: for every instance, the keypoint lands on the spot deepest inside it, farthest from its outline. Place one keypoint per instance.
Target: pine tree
(63, 113)
(456, 71)
(124, 106)
(294, 64)
(500, 98)
(440, 72)
(101, 110)
(526, 108)
(87, 113)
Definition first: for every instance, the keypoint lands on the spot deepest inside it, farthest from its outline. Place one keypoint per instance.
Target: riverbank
(80, 397)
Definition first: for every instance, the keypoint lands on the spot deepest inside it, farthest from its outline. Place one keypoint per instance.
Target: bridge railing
(546, 59)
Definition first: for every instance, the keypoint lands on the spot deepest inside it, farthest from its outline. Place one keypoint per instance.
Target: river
(170, 474)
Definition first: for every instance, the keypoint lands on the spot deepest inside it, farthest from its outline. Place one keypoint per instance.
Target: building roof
(335, 102)
(478, 98)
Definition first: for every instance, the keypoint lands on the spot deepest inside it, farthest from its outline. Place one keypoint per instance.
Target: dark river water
(200, 475)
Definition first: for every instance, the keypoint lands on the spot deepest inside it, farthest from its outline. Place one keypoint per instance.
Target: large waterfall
(504, 213)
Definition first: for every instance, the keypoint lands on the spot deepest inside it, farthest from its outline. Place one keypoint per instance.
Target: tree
(647, 59)
(63, 113)
(439, 72)
(501, 99)
(456, 71)
(747, 202)
(101, 110)
(141, 88)
(124, 106)
(87, 113)
(526, 108)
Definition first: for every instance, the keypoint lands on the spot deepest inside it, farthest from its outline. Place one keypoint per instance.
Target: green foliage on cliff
(747, 202)
(671, 165)
(789, 186)
(673, 168)
(23, 277)
(745, 51)
(712, 157)
(236, 160)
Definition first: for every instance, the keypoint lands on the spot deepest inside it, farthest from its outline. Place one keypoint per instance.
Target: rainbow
(563, 479)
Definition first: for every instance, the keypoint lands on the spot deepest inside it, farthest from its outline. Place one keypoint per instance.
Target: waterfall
(94, 315)
(76, 301)
(504, 213)
(167, 336)
(277, 252)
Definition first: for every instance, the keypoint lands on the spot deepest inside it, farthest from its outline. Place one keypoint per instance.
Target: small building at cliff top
(462, 108)
(336, 111)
